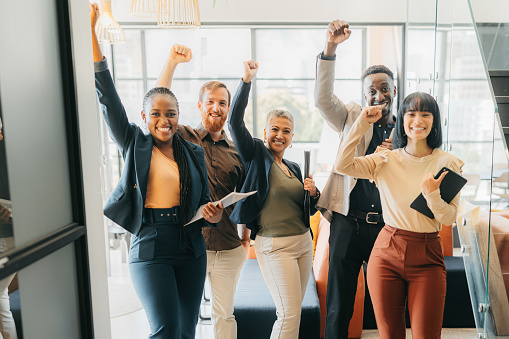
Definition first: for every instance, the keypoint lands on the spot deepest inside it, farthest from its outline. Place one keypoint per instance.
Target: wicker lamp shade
(145, 8)
(107, 29)
(179, 14)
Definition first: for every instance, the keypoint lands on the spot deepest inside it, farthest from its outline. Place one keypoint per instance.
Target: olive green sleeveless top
(282, 213)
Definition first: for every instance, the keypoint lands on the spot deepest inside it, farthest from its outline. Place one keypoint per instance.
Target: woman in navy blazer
(275, 214)
(167, 260)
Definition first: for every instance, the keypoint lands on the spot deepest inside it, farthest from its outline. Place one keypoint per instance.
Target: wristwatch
(317, 196)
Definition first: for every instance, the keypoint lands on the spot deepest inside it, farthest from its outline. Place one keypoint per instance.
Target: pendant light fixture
(178, 14)
(107, 29)
(145, 8)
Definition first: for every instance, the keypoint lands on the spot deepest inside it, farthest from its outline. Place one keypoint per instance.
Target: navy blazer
(127, 201)
(257, 161)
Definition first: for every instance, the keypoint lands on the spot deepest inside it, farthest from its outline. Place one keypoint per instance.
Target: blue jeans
(168, 280)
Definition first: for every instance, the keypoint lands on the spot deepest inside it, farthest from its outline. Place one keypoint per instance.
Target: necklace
(284, 168)
(422, 156)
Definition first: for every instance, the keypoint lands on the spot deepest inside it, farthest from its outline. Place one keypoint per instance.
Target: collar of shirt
(202, 133)
(389, 125)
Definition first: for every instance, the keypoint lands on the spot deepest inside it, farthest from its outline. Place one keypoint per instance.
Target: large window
(286, 77)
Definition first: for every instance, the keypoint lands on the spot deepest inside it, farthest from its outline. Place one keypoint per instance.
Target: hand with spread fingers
(429, 184)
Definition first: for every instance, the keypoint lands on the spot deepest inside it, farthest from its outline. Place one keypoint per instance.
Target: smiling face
(379, 90)
(161, 116)
(279, 134)
(417, 124)
(214, 109)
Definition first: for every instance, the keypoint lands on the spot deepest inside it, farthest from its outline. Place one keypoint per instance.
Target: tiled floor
(134, 324)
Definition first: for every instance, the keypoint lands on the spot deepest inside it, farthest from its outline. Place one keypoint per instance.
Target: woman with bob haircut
(162, 186)
(275, 214)
(407, 258)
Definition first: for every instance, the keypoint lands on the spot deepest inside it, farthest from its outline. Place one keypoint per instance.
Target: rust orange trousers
(407, 266)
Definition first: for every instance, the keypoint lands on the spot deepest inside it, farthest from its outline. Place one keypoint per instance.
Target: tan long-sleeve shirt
(398, 176)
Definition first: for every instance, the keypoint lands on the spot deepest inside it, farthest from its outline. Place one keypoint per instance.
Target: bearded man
(226, 251)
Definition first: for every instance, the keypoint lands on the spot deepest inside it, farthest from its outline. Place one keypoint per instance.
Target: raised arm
(338, 31)
(113, 111)
(94, 16)
(178, 54)
(242, 139)
(332, 109)
(359, 167)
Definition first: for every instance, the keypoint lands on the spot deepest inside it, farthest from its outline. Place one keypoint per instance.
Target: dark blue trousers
(168, 280)
(350, 243)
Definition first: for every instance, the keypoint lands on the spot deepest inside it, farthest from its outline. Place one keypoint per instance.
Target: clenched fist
(94, 14)
(180, 54)
(371, 114)
(250, 69)
(338, 31)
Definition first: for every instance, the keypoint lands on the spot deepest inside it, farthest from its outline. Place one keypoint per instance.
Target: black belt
(370, 217)
(156, 215)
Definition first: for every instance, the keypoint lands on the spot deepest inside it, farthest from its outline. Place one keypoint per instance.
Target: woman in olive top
(275, 214)
(162, 186)
(407, 263)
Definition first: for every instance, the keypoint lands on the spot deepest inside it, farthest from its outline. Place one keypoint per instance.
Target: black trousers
(350, 243)
(168, 280)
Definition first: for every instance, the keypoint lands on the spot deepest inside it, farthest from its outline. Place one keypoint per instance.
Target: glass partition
(446, 59)
(420, 47)
(470, 137)
(463, 88)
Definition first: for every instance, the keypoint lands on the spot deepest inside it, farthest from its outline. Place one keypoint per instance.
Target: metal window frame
(254, 27)
(75, 232)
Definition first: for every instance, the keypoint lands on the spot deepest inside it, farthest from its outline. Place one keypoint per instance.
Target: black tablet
(449, 188)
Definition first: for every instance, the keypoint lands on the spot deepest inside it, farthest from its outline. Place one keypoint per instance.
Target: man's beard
(213, 125)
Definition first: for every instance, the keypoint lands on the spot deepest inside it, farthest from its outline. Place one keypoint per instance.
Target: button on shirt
(365, 196)
(225, 174)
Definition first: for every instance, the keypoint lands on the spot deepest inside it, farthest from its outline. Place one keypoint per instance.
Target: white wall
(90, 159)
(31, 90)
(247, 11)
(490, 10)
(317, 11)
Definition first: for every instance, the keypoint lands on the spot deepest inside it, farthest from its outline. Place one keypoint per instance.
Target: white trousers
(7, 326)
(286, 264)
(223, 272)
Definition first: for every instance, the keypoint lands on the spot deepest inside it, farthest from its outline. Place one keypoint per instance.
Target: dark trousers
(168, 280)
(411, 266)
(350, 243)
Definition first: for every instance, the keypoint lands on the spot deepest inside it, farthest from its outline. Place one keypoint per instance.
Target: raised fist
(250, 69)
(94, 14)
(338, 31)
(371, 114)
(180, 54)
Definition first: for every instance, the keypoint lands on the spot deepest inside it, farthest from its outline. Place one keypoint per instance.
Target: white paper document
(8, 204)
(230, 199)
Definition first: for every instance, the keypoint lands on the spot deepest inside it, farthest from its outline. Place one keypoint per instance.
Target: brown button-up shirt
(226, 174)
